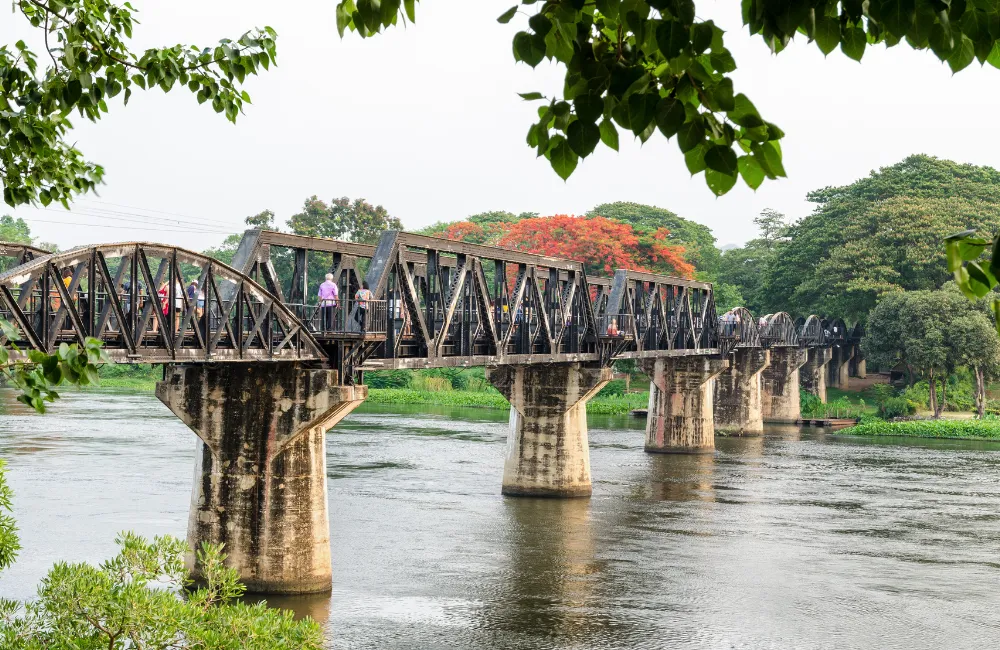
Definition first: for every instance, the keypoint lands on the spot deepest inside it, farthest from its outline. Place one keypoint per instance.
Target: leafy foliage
(878, 235)
(357, 220)
(15, 230)
(653, 65)
(87, 44)
(744, 268)
(697, 239)
(601, 244)
(133, 601)
(934, 332)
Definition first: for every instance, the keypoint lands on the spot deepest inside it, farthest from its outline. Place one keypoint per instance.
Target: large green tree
(354, 220)
(87, 63)
(657, 65)
(744, 268)
(933, 333)
(880, 234)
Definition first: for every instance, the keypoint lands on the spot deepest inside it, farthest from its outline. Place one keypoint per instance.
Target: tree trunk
(980, 392)
(628, 380)
(909, 376)
(944, 393)
(933, 393)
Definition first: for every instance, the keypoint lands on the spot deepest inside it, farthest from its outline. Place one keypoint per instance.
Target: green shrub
(614, 387)
(389, 378)
(896, 407)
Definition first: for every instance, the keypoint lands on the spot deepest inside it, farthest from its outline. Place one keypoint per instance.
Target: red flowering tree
(603, 245)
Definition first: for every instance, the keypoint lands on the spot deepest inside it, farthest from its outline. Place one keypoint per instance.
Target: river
(797, 539)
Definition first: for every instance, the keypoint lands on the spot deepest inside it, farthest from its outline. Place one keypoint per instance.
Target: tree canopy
(697, 239)
(87, 44)
(654, 65)
(881, 234)
(933, 333)
(357, 220)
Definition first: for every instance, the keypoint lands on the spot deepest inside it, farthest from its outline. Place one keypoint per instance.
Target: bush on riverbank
(987, 429)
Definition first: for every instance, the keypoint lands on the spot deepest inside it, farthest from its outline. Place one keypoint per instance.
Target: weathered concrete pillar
(680, 418)
(861, 367)
(260, 468)
(838, 370)
(547, 450)
(813, 373)
(738, 407)
(780, 385)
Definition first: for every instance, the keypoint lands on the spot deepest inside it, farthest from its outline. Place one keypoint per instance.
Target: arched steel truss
(738, 328)
(15, 253)
(112, 292)
(812, 333)
(779, 330)
(836, 331)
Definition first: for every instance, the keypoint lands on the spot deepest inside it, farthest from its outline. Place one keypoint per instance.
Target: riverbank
(600, 405)
(491, 399)
(946, 429)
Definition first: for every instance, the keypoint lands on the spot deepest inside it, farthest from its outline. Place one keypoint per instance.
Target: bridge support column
(813, 373)
(680, 418)
(780, 385)
(260, 466)
(738, 404)
(547, 450)
(840, 366)
(860, 368)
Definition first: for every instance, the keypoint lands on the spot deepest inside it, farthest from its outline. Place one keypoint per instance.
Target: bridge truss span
(133, 297)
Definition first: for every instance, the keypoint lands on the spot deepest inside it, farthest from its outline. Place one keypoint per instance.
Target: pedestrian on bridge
(362, 297)
(328, 294)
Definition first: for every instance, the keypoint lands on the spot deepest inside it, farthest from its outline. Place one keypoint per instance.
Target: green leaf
(641, 110)
(411, 12)
(723, 94)
(853, 42)
(721, 158)
(505, 16)
(531, 96)
(670, 116)
(528, 49)
(609, 134)
(671, 37)
(718, 182)
(963, 54)
(690, 135)
(695, 160)
(769, 156)
(751, 171)
(562, 158)
(701, 37)
(589, 107)
(583, 137)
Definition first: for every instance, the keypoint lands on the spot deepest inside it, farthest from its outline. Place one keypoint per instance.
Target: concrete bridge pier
(260, 466)
(840, 365)
(547, 449)
(813, 373)
(859, 368)
(681, 418)
(780, 384)
(738, 403)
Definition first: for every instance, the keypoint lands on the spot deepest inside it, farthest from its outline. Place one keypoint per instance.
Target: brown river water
(799, 539)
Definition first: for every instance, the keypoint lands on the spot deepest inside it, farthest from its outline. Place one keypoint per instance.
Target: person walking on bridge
(362, 297)
(328, 294)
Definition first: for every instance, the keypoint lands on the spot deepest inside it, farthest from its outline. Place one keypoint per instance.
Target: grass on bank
(986, 429)
(600, 405)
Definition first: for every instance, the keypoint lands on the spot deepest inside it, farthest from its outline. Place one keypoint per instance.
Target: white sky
(426, 121)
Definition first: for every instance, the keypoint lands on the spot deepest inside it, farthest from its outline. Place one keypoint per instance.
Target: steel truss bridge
(436, 303)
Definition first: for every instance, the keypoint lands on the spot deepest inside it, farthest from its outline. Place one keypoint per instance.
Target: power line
(165, 227)
(175, 214)
(101, 225)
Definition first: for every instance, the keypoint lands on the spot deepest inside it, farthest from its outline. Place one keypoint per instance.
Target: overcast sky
(426, 121)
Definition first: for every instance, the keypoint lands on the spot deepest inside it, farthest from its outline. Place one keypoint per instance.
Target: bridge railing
(617, 326)
(344, 317)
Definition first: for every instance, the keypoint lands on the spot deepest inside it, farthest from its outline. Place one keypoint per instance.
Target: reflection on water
(798, 539)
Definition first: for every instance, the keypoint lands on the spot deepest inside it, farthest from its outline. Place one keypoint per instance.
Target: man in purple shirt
(328, 293)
